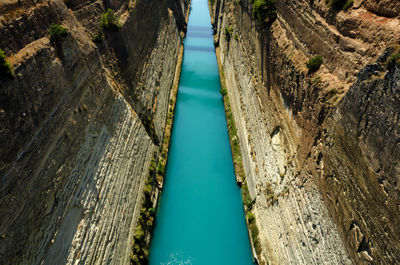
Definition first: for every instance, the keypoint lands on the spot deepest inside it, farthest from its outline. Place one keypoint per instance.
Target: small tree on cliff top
(314, 63)
(57, 32)
(264, 11)
(109, 21)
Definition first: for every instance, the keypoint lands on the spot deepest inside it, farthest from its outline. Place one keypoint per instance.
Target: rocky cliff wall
(80, 123)
(359, 164)
(296, 128)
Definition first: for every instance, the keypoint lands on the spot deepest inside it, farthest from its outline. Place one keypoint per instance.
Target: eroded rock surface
(320, 150)
(360, 167)
(80, 123)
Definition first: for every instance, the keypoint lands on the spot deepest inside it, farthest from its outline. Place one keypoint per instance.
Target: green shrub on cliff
(228, 33)
(250, 217)
(264, 11)
(392, 60)
(98, 37)
(314, 63)
(223, 91)
(139, 234)
(57, 32)
(148, 189)
(109, 21)
(248, 202)
(139, 254)
(161, 169)
(5, 67)
(254, 236)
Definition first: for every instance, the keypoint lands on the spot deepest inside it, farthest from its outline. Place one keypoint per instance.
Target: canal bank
(156, 172)
(200, 218)
(155, 180)
(241, 180)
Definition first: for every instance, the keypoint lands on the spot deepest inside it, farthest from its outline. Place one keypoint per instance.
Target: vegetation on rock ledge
(109, 21)
(251, 219)
(236, 153)
(314, 63)
(5, 67)
(264, 11)
(57, 32)
(140, 251)
(228, 33)
(144, 229)
(393, 59)
(98, 37)
(238, 164)
(223, 91)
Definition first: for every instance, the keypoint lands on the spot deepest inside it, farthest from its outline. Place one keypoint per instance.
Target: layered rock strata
(320, 150)
(80, 123)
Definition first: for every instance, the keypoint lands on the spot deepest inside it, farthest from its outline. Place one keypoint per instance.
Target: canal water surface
(200, 218)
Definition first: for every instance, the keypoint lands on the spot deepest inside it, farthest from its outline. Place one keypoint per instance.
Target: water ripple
(178, 257)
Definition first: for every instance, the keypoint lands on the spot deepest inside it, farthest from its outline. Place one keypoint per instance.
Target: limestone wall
(295, 127)
(80, 123)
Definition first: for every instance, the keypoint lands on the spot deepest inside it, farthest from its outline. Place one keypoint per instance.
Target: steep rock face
(80, 123)
(385, 8)
(294, 223)
(359, 171)
(290, 125)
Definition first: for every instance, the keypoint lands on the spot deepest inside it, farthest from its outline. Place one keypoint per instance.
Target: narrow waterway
(200, 218)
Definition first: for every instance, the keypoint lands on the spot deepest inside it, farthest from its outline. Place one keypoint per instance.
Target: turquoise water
(200, 217)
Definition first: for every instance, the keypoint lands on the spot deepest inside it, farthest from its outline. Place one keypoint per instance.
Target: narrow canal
(200, 218)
